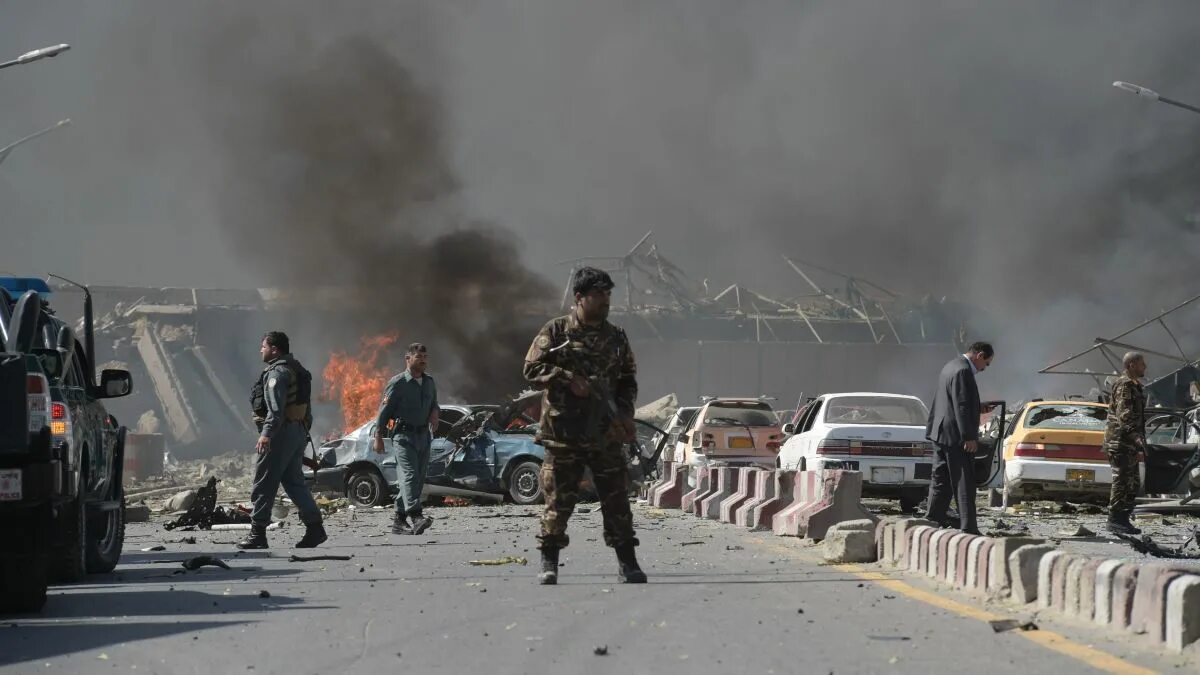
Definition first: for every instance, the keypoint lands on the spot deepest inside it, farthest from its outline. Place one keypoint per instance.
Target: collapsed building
(194, 354)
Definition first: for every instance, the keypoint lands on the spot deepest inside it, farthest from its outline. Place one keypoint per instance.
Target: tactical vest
(299, 394)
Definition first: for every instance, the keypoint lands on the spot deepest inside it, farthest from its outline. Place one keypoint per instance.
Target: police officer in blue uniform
(287, 390)
(410, 406)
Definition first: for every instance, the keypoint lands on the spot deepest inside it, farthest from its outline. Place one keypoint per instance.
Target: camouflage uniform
(1123, 439)
(580, 432)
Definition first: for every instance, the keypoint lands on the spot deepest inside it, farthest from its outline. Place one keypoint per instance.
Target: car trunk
(740, 442)
(1065, 445)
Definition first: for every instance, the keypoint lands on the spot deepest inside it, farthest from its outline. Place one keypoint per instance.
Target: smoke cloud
(973, 149)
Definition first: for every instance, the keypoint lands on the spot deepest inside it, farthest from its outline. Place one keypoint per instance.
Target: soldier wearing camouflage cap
(587, 370)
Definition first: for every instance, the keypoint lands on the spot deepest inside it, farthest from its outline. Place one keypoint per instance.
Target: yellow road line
(1048, 639)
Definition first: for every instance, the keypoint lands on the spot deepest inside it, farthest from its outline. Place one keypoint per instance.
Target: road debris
(264, 594)
(690, 543)
(199, 561)
(160, 547)
(1081, 531)
(310, 558)
(601, 651)
(137, 513)
(1005, 625)
(507, 560)
(1145, 544)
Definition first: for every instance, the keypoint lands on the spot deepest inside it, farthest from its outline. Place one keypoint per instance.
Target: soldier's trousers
(282, 465)
(412, 464)
(1125, 480)
(561, 473)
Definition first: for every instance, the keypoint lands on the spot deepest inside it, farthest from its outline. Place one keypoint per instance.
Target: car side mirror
(115, 383)
(789, 428)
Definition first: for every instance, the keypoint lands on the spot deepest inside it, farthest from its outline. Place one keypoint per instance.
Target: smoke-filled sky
(971, 149)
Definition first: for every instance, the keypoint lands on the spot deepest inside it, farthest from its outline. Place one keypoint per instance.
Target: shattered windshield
(875, 410)
(751, 414)
(1071, 417)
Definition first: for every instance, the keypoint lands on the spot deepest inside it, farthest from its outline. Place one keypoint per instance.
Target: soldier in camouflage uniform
(1124, 438)
(586, 367)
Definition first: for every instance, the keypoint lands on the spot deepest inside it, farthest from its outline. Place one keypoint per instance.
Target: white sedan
(881, 435)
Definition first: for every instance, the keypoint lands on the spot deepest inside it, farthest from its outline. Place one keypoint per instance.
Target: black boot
(549, 574)
(421, 523)
(630, 572)
(314, 535)
(1120, 524)
(256, 539)
(400, 524)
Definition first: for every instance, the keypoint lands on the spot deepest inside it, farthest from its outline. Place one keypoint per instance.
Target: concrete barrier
(669, 495)
(760, 512)
(821, 499)
(663, 478)
(703, 487)
(1158, 600)
(726, 485)
(747, 487)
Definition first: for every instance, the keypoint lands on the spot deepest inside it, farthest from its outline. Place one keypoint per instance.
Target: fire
(357, 382)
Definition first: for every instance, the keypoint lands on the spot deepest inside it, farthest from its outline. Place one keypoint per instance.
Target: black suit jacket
(954, 417)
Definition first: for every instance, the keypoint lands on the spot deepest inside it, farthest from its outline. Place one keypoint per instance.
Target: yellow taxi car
(1052, 450)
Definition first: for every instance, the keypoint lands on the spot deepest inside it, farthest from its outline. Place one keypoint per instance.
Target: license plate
(887, 474)
(10, 485)
(1081, 475)
(741, 443)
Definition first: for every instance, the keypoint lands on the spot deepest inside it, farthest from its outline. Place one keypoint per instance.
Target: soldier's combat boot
(421, 523)
(549, 574)
(629, 571)
(314, 536)
(400, 524)
(256, 539)
(1120, 524)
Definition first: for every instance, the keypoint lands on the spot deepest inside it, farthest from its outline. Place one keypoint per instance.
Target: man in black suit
(954, 428)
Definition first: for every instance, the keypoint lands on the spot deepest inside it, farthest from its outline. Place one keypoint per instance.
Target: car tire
(70, 554)
(366, 488)
(1010, 497)
(524, 483)
(105, 539)
(909, 502)
(995, 498)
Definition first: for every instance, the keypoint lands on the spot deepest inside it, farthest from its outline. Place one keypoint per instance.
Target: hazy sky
(972, 149)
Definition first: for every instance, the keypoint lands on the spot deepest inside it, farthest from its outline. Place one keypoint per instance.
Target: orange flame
(357, 382)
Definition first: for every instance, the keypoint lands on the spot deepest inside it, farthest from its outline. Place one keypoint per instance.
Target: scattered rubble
(1005, 625)
(1145, 544)
(311, 558)
(193, 564)
(137, 513)
(507, 560)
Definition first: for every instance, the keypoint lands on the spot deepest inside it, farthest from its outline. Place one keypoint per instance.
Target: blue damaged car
(479, 452)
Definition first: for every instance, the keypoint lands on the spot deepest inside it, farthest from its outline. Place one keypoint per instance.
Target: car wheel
(365, 487)
(995, 498)
(105, 538)
(909, 501)
(524, 485)
(1010, 497)
(70, 553)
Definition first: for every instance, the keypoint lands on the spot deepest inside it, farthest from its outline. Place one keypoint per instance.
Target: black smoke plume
(337, 176)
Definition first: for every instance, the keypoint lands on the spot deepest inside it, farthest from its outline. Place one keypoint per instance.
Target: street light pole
(36, 55)
(1153, 95)
(6, 150)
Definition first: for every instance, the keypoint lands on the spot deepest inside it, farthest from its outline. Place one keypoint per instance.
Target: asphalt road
(721, 600)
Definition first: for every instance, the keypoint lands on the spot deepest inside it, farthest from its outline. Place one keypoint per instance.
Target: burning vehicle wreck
(488, 453)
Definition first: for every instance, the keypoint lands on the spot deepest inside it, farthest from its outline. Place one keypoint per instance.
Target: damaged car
(489, 453)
